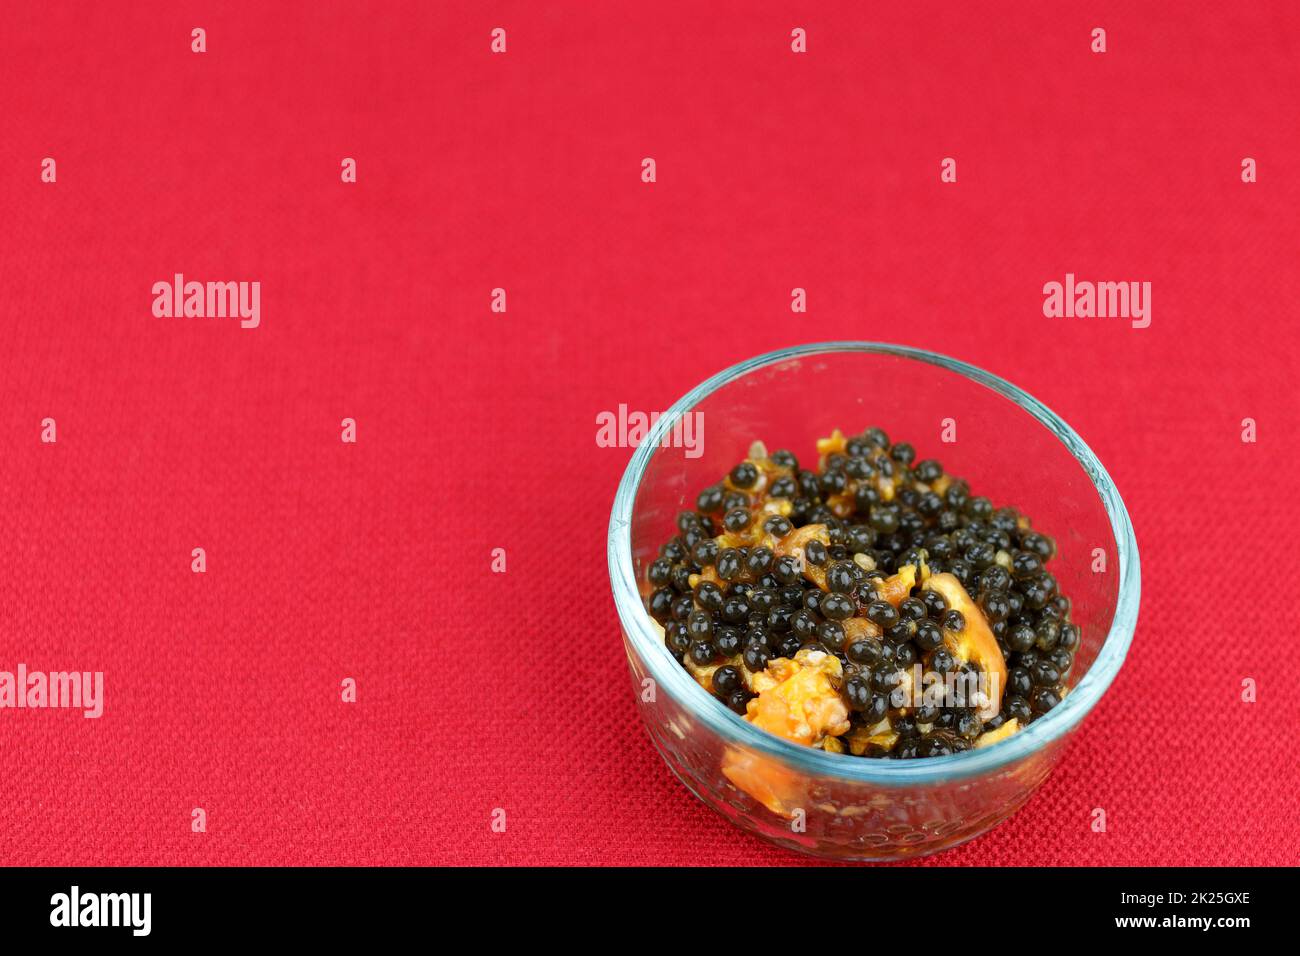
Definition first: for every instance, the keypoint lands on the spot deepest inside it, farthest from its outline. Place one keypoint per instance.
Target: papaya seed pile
(871, 607)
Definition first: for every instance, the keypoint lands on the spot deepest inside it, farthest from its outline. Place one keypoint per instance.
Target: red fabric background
(476, 430)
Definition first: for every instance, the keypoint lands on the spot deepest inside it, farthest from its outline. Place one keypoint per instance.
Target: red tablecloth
(475, 429)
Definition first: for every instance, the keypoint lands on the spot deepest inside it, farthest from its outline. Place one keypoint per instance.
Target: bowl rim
(670, 676)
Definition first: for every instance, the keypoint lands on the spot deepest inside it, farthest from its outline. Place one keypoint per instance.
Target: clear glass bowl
(1011, 448)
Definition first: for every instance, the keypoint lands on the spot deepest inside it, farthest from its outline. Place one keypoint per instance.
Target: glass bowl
(1011, 448)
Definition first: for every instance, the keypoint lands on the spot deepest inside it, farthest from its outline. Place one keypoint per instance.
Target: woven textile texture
(475, 429)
